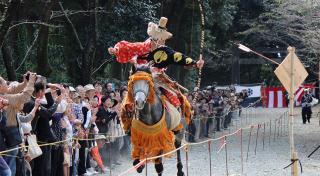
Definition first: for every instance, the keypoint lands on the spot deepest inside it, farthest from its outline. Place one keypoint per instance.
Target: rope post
(209, 149)
(275, 130)
(249, 143)
(187, 161)
(279, 123)
(282, 124)
(241, 117)
(246, 116)
(146, 166)
(288, 123)
(257, 136)
(110, 159)
(236, 124)
(264, 132)
(270, 124)
(241, 148)
(226, 150)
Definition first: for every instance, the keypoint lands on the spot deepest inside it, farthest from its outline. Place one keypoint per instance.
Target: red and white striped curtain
(275, 97)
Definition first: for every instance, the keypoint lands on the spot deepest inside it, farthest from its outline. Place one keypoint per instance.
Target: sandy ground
(268, 161)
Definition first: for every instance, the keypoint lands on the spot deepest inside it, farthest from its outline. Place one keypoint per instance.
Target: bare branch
(106, 61)
(33, 22)
(28, 51)
(74, 12)
(72, 26)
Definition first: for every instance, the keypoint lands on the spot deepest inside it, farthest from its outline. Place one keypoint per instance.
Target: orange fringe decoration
(150, 141)
(186, 109)
(137, 77)
(126, 114)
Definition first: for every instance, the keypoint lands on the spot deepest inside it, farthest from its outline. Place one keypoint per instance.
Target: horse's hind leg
(177, 144)
(159, 166)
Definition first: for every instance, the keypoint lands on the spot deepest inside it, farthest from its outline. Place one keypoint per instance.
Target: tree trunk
(6, 49)
(8, 62)
(88, 56)
(43, 67)
(12, 8)
(86, 64)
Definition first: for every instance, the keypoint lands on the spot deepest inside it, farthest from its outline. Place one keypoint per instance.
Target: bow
(201, 51)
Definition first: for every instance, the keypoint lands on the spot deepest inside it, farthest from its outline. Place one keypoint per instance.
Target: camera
(38, 77)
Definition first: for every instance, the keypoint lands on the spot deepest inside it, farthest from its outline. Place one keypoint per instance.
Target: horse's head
(140, 93)
(141, 89)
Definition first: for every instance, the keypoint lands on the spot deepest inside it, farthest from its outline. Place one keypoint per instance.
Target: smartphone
(28, 76)
(58, 92)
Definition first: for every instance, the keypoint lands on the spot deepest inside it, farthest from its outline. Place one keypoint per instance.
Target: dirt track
(268, 161)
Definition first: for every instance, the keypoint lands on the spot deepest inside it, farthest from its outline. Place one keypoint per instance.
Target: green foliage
(258, 24)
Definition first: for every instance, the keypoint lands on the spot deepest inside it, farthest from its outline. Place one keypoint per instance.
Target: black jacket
(40, 123)
(3, 120)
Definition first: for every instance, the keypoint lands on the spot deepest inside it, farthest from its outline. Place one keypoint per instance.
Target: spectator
(106, 117)
(109, 89)
(41, 126)
(16, 96)
(306, 106)
(98, 93)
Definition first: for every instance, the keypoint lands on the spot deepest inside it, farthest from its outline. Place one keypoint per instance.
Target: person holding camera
(4, 168)
(41, 126)
(16, 96)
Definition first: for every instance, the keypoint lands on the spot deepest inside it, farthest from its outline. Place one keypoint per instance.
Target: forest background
(67, 41)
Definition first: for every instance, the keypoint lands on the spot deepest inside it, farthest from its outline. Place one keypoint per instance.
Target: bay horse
(151, 116)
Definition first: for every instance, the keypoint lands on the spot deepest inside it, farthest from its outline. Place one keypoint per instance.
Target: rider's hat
(159, 31)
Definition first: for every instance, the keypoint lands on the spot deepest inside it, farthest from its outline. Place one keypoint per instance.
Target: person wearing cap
(153, 49)
(41, 124)
(76, 110)
(86, 93)
(306, 106)
(159, 56)
(95, 154)
(89, 91)
(105, 116)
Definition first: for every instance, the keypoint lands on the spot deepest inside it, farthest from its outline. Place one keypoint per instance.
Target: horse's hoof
(180, 173)
(140, 168)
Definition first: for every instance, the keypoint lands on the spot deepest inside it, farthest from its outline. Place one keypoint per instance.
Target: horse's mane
(143, 68)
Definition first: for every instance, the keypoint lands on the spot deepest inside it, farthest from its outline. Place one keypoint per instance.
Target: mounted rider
(154, 52)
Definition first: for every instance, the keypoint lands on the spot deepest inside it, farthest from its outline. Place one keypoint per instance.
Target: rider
(160, 56)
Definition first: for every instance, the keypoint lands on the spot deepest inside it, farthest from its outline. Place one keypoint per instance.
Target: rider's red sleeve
(126, 50)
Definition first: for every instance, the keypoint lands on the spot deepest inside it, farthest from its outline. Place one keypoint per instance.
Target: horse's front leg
(177, 144)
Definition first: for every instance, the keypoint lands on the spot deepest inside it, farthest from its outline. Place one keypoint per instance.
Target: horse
(149, 110)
